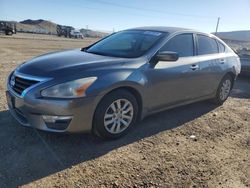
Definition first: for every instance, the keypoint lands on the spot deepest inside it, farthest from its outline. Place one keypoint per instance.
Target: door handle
(194, 67)
(222, 61)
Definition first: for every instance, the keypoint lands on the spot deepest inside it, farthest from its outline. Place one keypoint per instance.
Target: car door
(173, 82)
(210, 62)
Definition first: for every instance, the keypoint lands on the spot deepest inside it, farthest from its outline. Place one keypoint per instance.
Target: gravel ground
(158, 152)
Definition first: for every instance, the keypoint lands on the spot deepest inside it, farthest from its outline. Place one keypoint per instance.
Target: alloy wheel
(225, 89)
(118, 116)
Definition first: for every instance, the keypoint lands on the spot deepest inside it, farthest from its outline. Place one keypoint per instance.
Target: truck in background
(68, 32)
(9, 28)
(64, 31)
(76, 34)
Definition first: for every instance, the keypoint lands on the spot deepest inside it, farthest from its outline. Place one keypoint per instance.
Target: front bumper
(29, 111)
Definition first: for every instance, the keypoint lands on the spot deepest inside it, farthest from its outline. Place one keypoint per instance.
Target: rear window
(221, 47)
(206, 45)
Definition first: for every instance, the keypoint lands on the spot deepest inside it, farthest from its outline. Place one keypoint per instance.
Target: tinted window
(221, 47)
(182, 44)
(206, 45)
(129, 44)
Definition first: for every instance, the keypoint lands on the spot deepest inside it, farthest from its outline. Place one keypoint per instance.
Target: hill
(235, 35)
(37, 26)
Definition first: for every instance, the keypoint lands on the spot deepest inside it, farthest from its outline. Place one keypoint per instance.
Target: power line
(150, 10)
(136, 13)
(163, 14)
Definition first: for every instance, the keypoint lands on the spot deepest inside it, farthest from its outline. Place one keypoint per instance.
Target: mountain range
(243, 36)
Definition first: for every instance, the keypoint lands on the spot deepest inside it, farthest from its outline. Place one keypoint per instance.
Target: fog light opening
(57, 122)
(54, 119)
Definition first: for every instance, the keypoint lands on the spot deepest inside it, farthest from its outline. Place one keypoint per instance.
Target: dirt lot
(158, 152)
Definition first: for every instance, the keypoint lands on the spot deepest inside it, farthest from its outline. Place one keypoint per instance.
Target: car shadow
(241, 88)
(28, 155)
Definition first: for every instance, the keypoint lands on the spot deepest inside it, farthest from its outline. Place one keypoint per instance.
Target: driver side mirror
(167, 56)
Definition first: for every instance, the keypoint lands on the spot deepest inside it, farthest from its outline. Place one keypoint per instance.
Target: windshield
(128, 44)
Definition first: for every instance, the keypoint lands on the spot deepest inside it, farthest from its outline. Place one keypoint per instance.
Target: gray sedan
(106, 87)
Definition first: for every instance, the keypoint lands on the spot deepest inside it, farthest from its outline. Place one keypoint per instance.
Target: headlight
(72, 89)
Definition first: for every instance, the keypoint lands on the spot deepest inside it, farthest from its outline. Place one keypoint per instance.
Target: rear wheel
(223, 90)
(115, 115)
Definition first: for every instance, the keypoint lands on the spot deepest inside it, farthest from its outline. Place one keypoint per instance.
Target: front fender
(113, 80)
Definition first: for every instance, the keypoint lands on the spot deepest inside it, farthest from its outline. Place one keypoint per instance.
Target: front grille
(20, 84)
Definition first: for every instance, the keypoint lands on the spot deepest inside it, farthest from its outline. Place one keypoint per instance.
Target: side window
(221, 47)
(206, 45)
(183, 44)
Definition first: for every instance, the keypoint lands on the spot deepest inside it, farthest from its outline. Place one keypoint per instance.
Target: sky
(109, 15)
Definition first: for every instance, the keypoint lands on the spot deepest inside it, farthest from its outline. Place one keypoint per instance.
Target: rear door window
(183, 44)
(206, 45)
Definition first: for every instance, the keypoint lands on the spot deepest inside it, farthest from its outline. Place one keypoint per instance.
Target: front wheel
(115, 115)
(223, 90)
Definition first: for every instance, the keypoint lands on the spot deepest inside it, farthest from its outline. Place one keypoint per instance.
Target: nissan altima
(107, 87)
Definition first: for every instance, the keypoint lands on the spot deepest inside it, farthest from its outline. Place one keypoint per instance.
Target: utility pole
(217, 26)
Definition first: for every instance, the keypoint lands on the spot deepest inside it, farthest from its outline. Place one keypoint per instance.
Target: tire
(107, 127)
(8, 32)
(223, 90)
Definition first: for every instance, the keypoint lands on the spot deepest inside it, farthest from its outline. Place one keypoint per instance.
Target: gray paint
(161, 86)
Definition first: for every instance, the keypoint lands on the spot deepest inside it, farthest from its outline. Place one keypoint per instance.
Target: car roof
(171, 30)
(163, 29)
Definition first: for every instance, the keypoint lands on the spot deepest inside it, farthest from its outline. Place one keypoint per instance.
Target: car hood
(69, 62)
